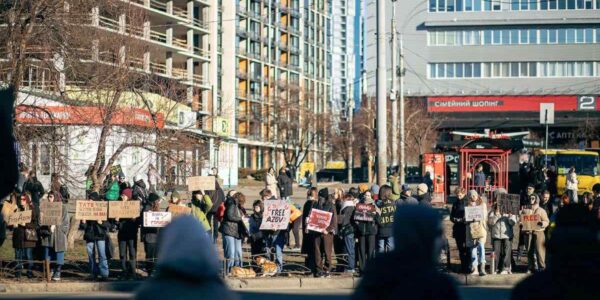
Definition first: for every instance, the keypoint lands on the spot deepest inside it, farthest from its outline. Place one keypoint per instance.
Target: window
(514, 5)
(441, 38)
(441, 5)
(459, 70)
(543, 36)
(524, 5)
(552, 4)
(532, 69)
(496, 38)
(579, 36)
(524, 36)
(514, 69)
(432, 38)
(532, 36)
(476, 70)
(580, 4)
(496, 5)
(432, 69)
(487, 4)
(441, 70)
(468, 70)
(487, 69)
(588, 69)
(570, 4)
(505, 37)
(524, 70)
(449, 70)
(432, 5)
(562, 4)
(450, 38)
(552, 36)
(505, 69)
(450, 5)
(496, 68)
(544, 4)
(570, 36)
(477, 5)
(487, 37)
(589, 4)
(468, 5)
(562, 36)
(468, 39)
(588, 33)
(569, 69)
(514, 36)
(543, 69)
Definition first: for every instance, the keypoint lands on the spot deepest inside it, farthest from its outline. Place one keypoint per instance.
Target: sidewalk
(256, 284)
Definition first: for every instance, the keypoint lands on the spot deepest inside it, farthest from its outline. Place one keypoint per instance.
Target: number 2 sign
(586, 103)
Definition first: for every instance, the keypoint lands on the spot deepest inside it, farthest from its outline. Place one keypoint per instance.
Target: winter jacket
(470, 240)
(535, 209)
(457, 217)
(395, 185)
(139, 192)
(425, 199)
(94, 231)
(56, 236)
(254, 223)
(572, 182)
(149, 234)
(271, 184)
(479, 179)
(345, 221)
(217, 197)
(18, 238)
(386, 220)
(285, 185)
(200, 209)
(328, 206)
(112, 193)
(364, 228)
(35, 188)
(231, 219)
(306, 208)
(501, 225)
(128, 229)
(407, 200)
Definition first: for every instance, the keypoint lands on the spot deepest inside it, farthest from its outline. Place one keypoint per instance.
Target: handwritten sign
(364, 212)
(509, 204)
(530, 222)
(276, 216)
(123, 209)
(474, 213)
(204, 183)
(8, 209)
(51, 213)
(157, 218)
(19, 218)
(318, 220)
(178, 210)
(91, 210)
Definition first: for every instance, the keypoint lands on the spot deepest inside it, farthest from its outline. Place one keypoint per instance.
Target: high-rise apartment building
(343, 53)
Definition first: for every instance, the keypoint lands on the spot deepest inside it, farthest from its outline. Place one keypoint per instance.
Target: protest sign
(364, 212)
(201, 183)
(474, 213)
(91, 210)
(318, 220)
(276, 215)
(123, 209)
(8, 209)
(157, 218)
(51, 213)
(178, 210)
(530, 222)
(509, 204)
(19, 218)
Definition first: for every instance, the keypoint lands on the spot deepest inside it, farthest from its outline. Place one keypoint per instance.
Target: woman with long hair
(54, 237)
(459, 227)
(477, 234)
(271, 182)
(25, 237)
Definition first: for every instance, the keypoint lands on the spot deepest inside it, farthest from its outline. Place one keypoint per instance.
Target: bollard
(47, 270)
(493, 263)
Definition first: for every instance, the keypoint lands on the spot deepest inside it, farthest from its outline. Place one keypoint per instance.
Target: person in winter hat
(501, 228)
(536, 238)
(423, 195)
(477, 234)
(150, 234)
(375, 192)
(406, 196)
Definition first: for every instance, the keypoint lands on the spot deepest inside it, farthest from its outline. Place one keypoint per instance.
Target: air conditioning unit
(186, 119)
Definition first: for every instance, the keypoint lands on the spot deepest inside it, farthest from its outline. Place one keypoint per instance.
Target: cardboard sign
(276, 215)
(51, 213)
(8, 209)
(318, 220)
(530, 222)
(509, 204)
(123, 209)
(19, 218)
(91, 210)
(157, 218)
(178, 210)
(364, 212)
(474, 213)
(203, 183)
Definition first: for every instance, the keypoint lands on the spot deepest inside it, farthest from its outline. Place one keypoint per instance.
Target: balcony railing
(108, 23)
(179, 73)
(181, 43)
(156, 67)
(158, 36)
(242, 11)
(180, 12)
(199, 79)
(242, 32)
(253, 35)
(158, 5)
(201, 52)
(283, 46)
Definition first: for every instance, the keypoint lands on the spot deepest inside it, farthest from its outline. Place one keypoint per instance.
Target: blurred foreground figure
(8, 153)
(573, 260)
(409, 271)
(188, 266)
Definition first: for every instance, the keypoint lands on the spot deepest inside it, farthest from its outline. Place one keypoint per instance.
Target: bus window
(584, 164)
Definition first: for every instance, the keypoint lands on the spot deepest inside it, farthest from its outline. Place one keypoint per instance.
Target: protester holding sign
(25, 238)
(233, 229)
(502, 235)
(150, 234)
(366, 217)
(308, 237)
(54, 237)
(346, 231)
(95, 233)
(323, 241)
(476, 233)
(128, 239)
(534, 221)
(201, 205)
(257, 238)
(385, 237)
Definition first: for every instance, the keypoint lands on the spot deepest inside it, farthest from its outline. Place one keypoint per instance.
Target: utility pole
(394, 91)
(350, 165)
(381, 96)
(369, 123)
(402, 128)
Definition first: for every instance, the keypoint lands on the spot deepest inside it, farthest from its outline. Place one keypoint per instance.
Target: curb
(238, 284)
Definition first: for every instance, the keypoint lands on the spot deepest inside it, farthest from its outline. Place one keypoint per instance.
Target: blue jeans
(22, 254)
(277, 242)
(232, 250)
(349, 249)
(100, 267)
(477, 254)
(385, 245)
(58, 257)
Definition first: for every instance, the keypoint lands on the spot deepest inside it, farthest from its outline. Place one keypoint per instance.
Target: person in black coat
(285, 182)
(307, 237)
(366, 231)
(232, 229)
(35, 188)
(323, 242)
(150, 234)
(218, 197)
(95, 233)
(128, 239)
(459, 229)
(25, 238)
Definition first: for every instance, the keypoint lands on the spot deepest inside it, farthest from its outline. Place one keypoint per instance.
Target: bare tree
(421, 130)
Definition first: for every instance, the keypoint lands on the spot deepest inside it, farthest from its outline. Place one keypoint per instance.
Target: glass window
(552, 33)
(459, 38)
(514, 36)
(505, 37)
(487, 37)
(459, 70)
(532, 4)
(496, 5)
(544, 4)
(459, 5)
(562, 4)
(505, 69)
(441, 70)
(588, 4)
(532, 69)
(588, 68)
(514, 5)
(432, 69)
(579, 68)
(570, 69)
(532, 36)
(468, 37)
(570, 4)
(543, 36)
(450, 38)
(562, 36)
(496, 37)
(551, 69)
(598, 32)
(524, 70)
(441, 38)
(487, 5)
(449, 5)
(449, 70)
(524, 36)
(468, 70)
(559, 69)
(477, 70)
(589, 35)
(552, 4)
(495, 69)
(580, 4)
(487, 70)
(432, 38)
(570, 36)
(477, 37)
(543, 69)
(514, 69)
(468, 5)
(524, 4)
(477, 5)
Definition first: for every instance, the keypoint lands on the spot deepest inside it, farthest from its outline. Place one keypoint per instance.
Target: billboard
(452, 104)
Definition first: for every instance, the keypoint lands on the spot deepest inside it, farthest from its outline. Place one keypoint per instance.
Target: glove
(540, 224)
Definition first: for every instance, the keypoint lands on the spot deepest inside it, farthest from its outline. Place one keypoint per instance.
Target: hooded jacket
(409, 271)
(364, 228)
(325, 205)
(535, 209)
(285, 185)
(187, 267)
(200, 208)
(386, 219)
(217, 196)
(231, 219)
(345, 221)
(501, 225)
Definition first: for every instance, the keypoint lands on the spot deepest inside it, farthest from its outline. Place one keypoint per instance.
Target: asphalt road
(467, 293)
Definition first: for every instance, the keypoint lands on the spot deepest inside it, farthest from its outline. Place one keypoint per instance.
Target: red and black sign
(511, 103)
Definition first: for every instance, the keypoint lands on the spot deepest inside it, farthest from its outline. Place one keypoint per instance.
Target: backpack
(220, 214)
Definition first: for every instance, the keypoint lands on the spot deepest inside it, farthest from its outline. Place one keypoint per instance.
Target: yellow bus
(585, 162)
